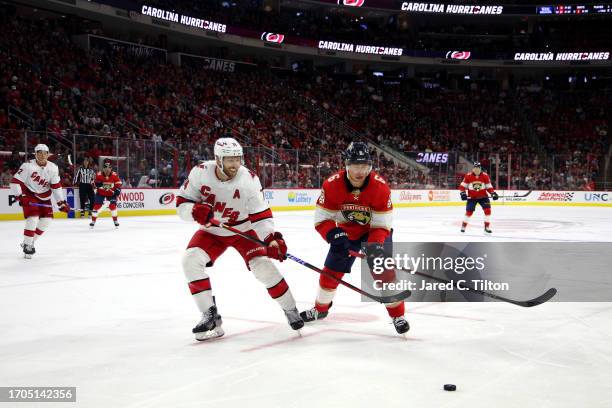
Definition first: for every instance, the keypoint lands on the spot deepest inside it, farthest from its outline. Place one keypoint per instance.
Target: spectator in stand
(5, 177)
(165, 178)
(15, 161)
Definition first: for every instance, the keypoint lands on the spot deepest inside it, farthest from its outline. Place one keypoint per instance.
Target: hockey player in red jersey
(33, 185)
(354, 207)
(474, 188)
(229, 192)
(108, 187)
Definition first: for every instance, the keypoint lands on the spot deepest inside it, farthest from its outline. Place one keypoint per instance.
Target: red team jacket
(356, 210)
(476, 186)
(107, 184)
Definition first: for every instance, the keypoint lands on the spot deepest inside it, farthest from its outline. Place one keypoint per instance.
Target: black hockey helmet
(477, 164)
(357, 153)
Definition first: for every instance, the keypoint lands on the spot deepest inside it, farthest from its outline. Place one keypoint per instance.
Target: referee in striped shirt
(85, 177)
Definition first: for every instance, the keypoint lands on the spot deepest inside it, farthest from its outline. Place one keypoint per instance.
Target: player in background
(477, 184)
(33, 185)
(108, 188)
(354, 207)
(229, 192)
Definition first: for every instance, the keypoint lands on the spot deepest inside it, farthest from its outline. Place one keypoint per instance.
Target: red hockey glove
(63, 206)
(278, 250)
(202, 213)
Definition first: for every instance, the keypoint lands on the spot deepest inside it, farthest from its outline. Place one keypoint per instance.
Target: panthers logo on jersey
(477, 185)
(358, 214)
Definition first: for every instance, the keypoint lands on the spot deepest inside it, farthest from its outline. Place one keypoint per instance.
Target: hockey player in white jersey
(229, 192)
(33, 185)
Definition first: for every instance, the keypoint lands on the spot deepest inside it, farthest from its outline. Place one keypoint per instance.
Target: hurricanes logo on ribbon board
(359, 214)
(273, 37)
(351, 3)
(459, 55)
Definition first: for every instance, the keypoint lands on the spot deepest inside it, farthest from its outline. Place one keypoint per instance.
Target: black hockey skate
(401, 324)
(487, 230)
(210, 325)
(116, 224)
(294, 318)
(28, 251)
(463, 228)
(313, 314)
(92, 224)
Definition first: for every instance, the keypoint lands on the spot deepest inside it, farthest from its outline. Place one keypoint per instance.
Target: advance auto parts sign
(556, 196)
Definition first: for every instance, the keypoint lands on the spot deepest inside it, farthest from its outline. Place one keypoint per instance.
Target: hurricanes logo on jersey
(358, 214)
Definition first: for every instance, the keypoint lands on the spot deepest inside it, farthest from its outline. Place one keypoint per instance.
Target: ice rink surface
(108, 311)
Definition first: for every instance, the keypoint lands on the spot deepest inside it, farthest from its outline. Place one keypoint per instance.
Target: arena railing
(139, 162)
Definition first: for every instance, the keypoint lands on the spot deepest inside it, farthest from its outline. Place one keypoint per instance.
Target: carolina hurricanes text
(451, 8)
(561, 56)
(183, 19)
(361, 49)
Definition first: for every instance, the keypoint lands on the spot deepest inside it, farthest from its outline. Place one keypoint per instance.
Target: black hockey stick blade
(391, 299)
(543, 298)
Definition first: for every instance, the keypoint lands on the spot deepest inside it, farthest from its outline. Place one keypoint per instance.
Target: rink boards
(135, 202)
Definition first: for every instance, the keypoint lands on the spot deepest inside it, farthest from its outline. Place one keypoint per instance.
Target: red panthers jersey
(476, 186)
(356, 210)
(107, 184)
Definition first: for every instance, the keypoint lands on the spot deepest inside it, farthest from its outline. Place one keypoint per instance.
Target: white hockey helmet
(227, 147)
(41, 148)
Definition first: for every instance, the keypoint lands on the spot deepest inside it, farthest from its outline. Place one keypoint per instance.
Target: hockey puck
(450, 387)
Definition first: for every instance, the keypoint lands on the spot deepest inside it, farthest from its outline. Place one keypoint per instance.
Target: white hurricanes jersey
(238, 202)
(34, 180)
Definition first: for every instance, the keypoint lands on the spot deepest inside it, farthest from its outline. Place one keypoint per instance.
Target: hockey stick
(381, 299)
(51, 206)
(516, 195)
(545, 297)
